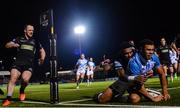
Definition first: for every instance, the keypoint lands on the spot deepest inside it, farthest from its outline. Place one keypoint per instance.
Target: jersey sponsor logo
(27, 47)
(164, 50)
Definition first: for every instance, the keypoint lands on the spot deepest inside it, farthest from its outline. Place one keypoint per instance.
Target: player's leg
(14, 75)
(175, 65)
(88, 79)
(26, 75)
(104, 96)
(165, 72)
(171, 70)
(91, 78)
(114, 91)
(77, 80)
(134, 98)
(82, 76)
(178, 66)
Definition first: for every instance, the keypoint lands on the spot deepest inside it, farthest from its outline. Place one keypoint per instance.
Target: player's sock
(82, 80)
(172, 78)
(77, 83)
(96, 97)
(9, 98)
(88, 81)
(91, 80)
(23, 86)
(175, 75)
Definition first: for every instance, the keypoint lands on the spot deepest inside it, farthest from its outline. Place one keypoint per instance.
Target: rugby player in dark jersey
(176, 46)
(164, 57)
(23, 65)
(127, 81)
(118, 88)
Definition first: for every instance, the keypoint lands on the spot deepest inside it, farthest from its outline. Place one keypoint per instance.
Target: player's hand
(13, 44)
(16, 45)
(149, 74)
(40, 61)
(157, 98)
(141, 79)
(166, 97)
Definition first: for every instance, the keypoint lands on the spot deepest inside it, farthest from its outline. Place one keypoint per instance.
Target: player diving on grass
(133, 71)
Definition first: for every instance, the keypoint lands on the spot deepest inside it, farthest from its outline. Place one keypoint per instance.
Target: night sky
(108, 23)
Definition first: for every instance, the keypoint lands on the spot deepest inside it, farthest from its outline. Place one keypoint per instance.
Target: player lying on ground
(132, 82)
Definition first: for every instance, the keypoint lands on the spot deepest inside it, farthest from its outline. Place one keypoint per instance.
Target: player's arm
(132, 79)
(162, 77)
(11, 44)
(77, 64)
(135, 72)
(145, 93)
(42, 55)
(173, 45)
(138, 81)
(163, 83)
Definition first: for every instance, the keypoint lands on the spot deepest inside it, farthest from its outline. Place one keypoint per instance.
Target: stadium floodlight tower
(47, 22)
(79, 31)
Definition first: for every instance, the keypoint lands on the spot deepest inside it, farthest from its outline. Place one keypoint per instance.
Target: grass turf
(68, 92)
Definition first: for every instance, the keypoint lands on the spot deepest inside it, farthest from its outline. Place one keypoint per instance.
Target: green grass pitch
(68, 94)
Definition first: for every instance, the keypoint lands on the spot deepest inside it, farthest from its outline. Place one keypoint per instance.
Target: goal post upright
(47, 21)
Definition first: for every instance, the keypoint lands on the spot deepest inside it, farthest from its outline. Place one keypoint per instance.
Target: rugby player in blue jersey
(143, 63)
(81, 66)
(118, 88)
(90, 70)
(131, 80)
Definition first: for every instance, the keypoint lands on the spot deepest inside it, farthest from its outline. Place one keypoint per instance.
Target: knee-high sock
(23, 86)
(82, 80)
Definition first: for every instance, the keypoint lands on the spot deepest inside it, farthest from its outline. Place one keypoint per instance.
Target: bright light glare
(79, 30)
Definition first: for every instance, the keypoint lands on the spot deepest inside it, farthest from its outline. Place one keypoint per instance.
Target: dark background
(108, 23)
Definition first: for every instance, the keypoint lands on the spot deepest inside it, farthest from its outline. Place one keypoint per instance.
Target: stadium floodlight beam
(79, 31)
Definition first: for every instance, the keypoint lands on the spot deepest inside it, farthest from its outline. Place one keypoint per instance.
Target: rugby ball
(153, 93)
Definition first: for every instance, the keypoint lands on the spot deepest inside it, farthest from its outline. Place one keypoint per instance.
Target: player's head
(126, 50)
(82, 56)
(90, 59)
(131, 42)
(163, 41)
(28, 30)
(147, 48)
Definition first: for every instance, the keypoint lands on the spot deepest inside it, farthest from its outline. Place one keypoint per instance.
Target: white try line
(123, 106)
(81, 100)
(98, 105)
(170, 88)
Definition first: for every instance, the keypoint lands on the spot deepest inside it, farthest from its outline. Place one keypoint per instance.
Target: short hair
(145, 42)
(25, 26)
(125, 45)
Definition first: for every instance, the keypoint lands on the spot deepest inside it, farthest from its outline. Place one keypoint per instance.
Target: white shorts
(173, 61)
(89, 72)
(80, 71)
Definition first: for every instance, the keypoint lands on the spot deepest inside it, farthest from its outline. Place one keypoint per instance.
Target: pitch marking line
(100, 105)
